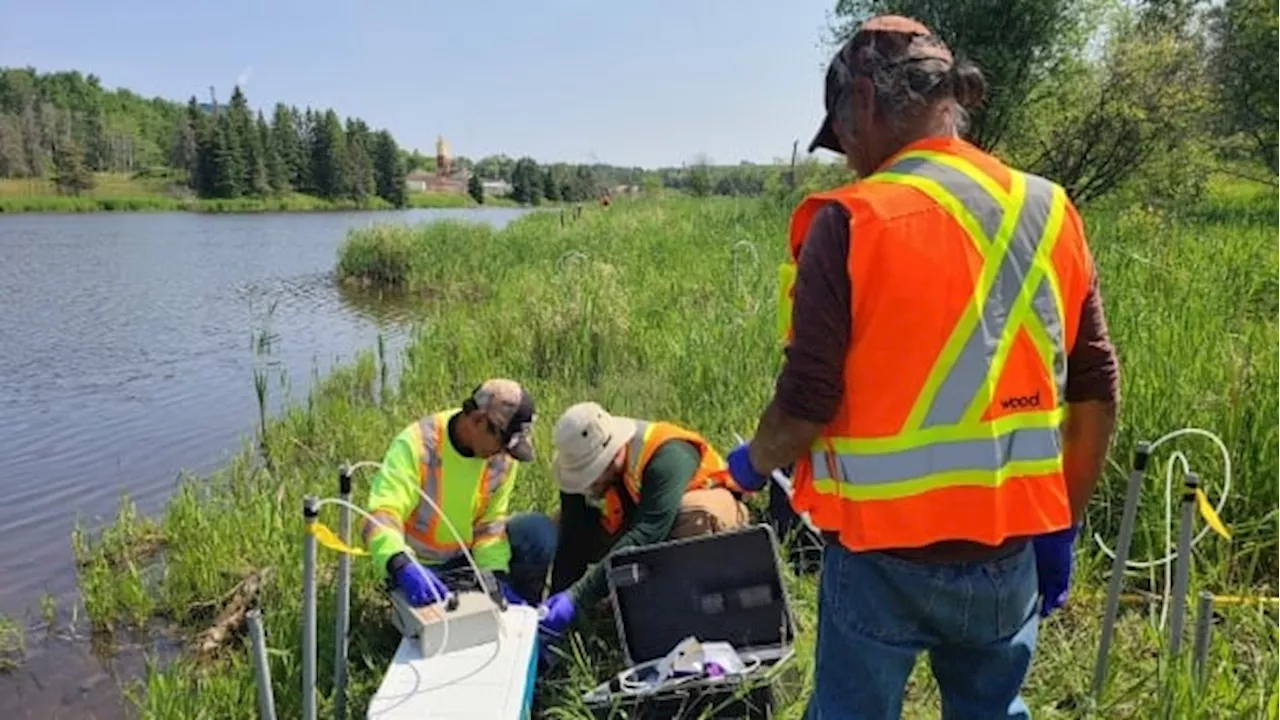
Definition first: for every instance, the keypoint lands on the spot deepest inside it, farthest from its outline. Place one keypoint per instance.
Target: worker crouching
(624, 483)
(948, 393)
(466, 460)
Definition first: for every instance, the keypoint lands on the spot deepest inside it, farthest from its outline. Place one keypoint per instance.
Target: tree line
(65, 126)
(228, 152)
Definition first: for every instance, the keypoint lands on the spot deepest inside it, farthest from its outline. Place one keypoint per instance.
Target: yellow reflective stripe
(907, 488)
(786, 281)
(1020, 310)
(939, 194)
(942, 433)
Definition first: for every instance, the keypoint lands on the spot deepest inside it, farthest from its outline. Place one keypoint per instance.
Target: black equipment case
(725, 587)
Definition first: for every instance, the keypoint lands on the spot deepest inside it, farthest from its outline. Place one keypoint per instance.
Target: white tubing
(497, 616)
(1171, 552)
(444, 617)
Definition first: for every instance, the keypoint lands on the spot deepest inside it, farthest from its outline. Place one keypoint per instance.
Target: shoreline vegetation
(120, 193)
(574, 310)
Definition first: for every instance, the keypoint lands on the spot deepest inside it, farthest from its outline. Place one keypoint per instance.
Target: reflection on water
(127, 353)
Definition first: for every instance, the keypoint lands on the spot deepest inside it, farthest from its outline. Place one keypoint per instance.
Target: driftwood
(230, 621)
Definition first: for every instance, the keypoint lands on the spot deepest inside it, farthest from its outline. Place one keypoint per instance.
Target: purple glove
(743, 474)
(420, 585)
(510, 595)
(556, 614)
(1053, 567)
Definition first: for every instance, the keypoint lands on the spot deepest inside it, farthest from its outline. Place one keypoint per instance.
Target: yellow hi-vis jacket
(473, 493)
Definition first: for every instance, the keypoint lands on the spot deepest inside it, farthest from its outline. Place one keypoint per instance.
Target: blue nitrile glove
(420, 585)
(556, 614)
(512, 597)
(1053, 567)
(743, 474)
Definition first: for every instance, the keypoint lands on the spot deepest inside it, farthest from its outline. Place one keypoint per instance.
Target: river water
(126, 357)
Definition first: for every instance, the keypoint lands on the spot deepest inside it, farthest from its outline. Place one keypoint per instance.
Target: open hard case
(725, 587)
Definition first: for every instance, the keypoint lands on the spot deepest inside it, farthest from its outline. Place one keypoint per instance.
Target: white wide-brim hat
(586, 440)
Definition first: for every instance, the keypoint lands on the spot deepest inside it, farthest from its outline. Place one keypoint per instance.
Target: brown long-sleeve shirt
(810, 384)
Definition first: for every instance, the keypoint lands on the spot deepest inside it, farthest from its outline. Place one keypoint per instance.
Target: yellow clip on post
(1210, 516)
(327, 538)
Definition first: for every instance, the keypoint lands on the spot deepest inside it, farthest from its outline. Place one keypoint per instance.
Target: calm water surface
(125, 359)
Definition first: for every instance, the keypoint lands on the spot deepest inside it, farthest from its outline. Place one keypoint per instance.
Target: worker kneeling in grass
(466, 461)
(623, 483)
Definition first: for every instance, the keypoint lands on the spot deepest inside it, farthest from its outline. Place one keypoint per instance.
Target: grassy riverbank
(579, 311)
(114, 192)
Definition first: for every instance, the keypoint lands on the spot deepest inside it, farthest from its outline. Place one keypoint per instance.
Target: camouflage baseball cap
(510, 408)
(900, 39)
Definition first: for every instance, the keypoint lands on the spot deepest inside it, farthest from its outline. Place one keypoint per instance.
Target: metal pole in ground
(344, 598)
(261, 670)
(309, 513)
(1200, 646)
(1140, 457)
(1182, 565)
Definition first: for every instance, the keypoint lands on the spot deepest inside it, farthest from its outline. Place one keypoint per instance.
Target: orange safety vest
(712, 472)
(967, 280)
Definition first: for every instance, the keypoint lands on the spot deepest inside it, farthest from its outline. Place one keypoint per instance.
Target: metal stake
(1140, 457)
(309, 514)
(1204, 622)
(344, 599)
(261, 668)
(1182, 565)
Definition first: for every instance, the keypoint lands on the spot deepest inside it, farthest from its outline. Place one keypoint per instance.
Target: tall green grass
(665, 309)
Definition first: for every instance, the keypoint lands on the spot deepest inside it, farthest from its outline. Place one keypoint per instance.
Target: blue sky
(647, 83)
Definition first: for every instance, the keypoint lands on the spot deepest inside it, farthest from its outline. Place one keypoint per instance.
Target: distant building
(443, 178)
(496, 187)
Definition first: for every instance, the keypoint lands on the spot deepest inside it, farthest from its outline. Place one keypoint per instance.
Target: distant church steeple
(443, 163)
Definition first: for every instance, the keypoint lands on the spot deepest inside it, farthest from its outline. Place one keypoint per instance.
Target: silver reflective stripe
(968, 374)
(427, 556)
(431, 459)
(498, 465)
(489, 529)
(943, 457)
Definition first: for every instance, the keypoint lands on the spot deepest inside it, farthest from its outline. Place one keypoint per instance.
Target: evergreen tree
(475, 188)
(72, 176)
(245, 140)
(549, 189)
(526, 182)
(283, 158)
(388, 169)
(183, 153)
(257, 179)
(329, 157)
(361, 182)
(228, 165)
(204, 180)
(305, 181)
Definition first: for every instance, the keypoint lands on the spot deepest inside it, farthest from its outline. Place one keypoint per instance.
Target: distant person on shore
(625, 483)
(466, 461)
(949, 390)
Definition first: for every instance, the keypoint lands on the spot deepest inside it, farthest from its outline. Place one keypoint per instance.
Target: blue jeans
(533, 546)
(532, 537)
(876, 613)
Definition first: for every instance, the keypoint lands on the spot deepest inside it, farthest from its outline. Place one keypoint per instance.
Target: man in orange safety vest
(949, 390)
